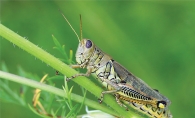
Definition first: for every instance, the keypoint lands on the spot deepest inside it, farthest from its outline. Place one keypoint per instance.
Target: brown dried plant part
(35, 101)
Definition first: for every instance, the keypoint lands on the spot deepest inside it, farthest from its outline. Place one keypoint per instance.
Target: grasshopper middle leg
(116, 89)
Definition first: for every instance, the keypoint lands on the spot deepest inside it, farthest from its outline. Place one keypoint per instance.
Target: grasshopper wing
(137, 84)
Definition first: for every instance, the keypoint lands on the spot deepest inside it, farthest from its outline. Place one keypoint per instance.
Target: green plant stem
(54, 90)
(63, 68)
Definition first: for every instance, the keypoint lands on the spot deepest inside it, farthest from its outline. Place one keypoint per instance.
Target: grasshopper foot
(100, 100)
(67, 79)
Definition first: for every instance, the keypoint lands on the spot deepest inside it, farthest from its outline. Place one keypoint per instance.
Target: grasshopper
(126, 87)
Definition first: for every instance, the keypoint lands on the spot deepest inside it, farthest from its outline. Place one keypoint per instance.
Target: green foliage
(152, 39)
(9, 95)
(66, 59)
(53, 108)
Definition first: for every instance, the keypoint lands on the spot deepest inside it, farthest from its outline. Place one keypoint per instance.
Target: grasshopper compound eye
(88, 44)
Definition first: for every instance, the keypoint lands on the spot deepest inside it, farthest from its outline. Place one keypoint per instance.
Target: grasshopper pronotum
(118, 80)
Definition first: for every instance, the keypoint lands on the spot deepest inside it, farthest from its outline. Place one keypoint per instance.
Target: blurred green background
(155, 40)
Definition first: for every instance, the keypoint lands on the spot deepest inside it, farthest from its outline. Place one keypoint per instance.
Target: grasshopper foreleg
(83, 65)
(89, 69)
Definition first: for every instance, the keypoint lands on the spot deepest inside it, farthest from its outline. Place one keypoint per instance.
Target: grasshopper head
(84, 51)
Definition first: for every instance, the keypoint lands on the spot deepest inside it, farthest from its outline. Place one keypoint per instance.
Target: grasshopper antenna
(70, 25)
(81, 32)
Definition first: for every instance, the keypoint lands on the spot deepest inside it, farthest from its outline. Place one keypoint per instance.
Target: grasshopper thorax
(84, 51)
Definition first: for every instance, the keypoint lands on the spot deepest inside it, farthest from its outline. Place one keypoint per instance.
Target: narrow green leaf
(4, 67)
(71, 56)
(82, 103)
(72, 111)
(56, 42)
(5, 97)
